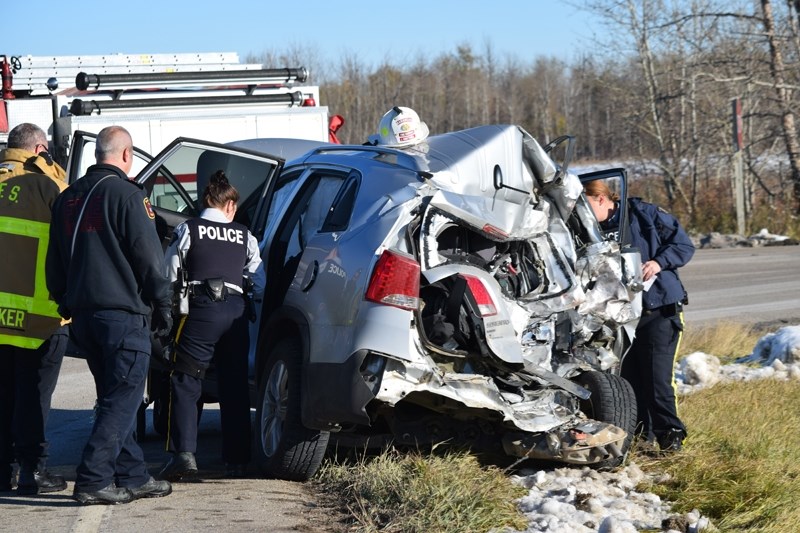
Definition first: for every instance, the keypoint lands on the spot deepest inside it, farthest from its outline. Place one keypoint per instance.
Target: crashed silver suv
(460, 291)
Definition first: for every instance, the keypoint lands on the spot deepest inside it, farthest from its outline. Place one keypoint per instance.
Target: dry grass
(411, 492)
(740, 464)
(726, 340)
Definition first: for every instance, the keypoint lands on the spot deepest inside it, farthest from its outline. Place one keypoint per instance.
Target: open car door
(175, 178)
(617, 181)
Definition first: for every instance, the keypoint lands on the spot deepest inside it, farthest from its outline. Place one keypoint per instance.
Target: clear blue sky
(371, 31)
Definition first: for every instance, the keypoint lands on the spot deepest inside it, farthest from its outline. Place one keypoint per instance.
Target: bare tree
(784, 95)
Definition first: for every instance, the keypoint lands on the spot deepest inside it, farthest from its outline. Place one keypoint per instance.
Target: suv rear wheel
(612, 401)
(286, 449)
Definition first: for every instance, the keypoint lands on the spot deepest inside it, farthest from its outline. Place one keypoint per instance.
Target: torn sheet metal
(586, 443)
(534, 412)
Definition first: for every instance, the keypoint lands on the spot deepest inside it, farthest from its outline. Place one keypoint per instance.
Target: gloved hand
(162, 322)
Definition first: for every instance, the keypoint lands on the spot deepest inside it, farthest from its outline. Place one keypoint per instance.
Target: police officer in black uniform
(216, 256)
(105, 269)
(650, 364)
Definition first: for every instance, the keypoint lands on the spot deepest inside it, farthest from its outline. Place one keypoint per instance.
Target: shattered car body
(514, 304)
(456, 291)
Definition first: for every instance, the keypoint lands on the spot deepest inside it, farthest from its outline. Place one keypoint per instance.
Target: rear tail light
(309, 102)
(482, 297)
(493, 230)
(395, 281)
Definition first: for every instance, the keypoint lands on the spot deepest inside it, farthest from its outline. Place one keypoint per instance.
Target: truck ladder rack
(155, 80)
(80, 107)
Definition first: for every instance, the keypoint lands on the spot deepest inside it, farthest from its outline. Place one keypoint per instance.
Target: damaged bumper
(587, 443)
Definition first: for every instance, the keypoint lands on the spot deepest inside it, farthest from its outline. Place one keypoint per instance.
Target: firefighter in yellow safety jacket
(33, 338)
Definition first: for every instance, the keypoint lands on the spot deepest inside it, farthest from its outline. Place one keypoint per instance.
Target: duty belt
(214, 288)
(666, 310)
(193, 285)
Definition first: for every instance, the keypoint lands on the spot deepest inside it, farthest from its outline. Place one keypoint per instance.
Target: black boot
(180, 465)
(671, 441)
(151, 489)
(110, 495)
(39, 482)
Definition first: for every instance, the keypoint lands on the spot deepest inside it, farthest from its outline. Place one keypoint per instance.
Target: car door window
(311, 211)
(304, 217)
(338, 217)
(81, 156)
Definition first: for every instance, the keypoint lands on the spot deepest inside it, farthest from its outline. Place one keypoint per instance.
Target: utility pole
(738, 175)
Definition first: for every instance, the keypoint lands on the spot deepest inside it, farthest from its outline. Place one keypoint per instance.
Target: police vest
(217, 250)
(27, 314)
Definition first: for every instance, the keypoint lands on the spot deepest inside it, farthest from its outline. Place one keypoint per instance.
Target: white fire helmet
(400, 127)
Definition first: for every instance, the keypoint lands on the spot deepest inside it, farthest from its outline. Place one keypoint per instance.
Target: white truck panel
(153, 131)
(213, 106)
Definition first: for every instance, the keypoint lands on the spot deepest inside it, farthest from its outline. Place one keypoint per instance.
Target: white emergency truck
(158, 97)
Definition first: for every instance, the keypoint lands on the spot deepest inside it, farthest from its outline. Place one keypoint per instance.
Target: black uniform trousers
(117, 347)
(649, 367)
(215, 331)
(27, 381)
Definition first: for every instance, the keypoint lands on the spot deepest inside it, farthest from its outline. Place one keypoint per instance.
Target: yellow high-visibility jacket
(29, 184)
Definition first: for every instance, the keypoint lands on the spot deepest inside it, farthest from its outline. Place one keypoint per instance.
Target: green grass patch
(411, 492)
(741, 463)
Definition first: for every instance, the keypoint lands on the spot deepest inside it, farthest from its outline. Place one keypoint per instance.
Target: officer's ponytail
(219, 191)
(600, 188)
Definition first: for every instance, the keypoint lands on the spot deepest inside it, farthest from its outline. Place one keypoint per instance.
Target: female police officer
(649, 366)
(215, 254)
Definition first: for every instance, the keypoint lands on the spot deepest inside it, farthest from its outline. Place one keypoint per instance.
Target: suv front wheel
(286, 449)
(612, 401)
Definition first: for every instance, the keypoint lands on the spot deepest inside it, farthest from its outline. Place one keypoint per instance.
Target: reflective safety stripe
(38, 310)
(40, 303)
(20, 342)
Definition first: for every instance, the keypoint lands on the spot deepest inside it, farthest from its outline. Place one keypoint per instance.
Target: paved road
(749, 285)
(215, 503)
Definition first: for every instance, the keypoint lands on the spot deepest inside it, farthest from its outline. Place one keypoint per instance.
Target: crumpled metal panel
(540, 412)
(586, 443)
(593, 287)
(516, 221)
(608, 299)
(465, 162)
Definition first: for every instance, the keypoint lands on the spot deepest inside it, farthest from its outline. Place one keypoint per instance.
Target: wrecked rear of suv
(476, 304)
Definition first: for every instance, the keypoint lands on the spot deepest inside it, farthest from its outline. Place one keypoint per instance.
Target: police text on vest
(221, 234)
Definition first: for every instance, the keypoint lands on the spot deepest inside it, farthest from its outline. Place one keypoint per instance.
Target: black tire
(612, 401)
(285, 448)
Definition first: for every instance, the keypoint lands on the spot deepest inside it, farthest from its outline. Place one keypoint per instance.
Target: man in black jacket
(105, 269)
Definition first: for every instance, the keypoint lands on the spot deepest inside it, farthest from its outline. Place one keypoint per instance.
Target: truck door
(81, 156)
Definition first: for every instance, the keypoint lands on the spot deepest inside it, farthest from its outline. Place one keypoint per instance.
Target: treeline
(655, 96)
